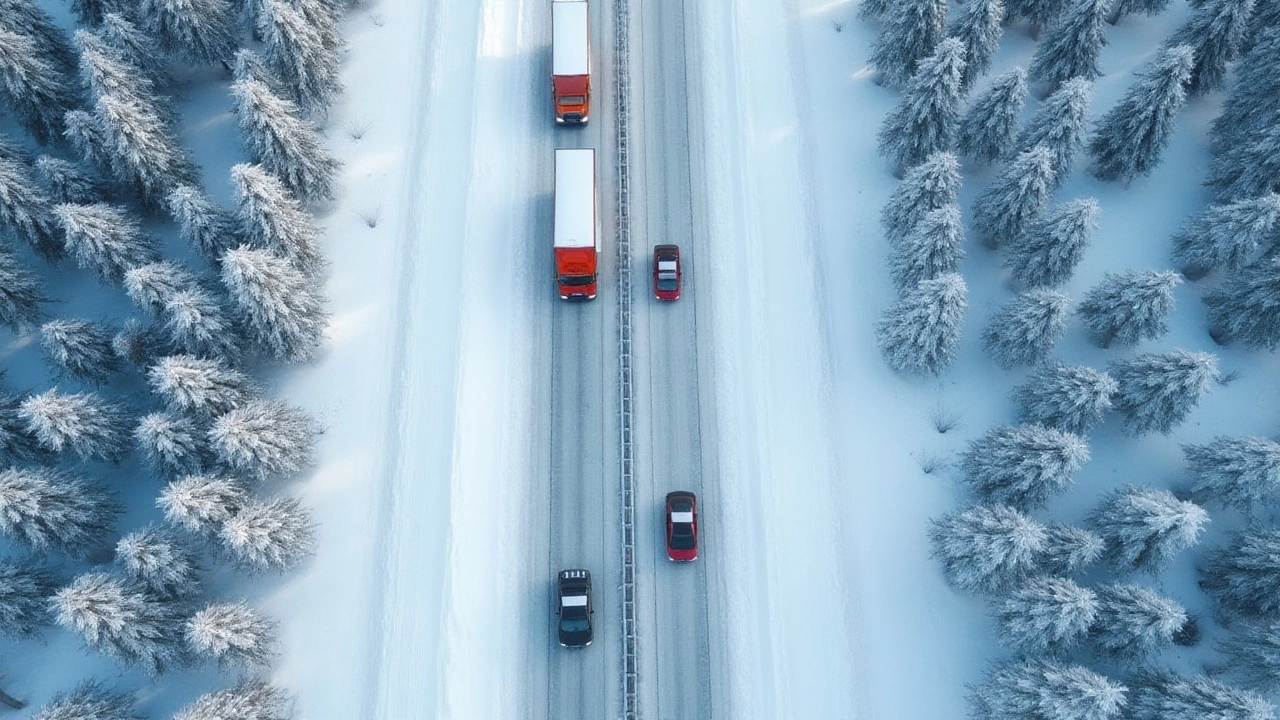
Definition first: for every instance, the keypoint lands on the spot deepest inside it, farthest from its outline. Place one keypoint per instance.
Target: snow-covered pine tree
(157, 561)
(987, 548)
(153, 285)
(17, 445)
(1046, 616)
(1071, 398)
(1037, 13)
(985, 133)
(232, 634)
(32, 88)
(1253, 103)
(912, 30)
(1059, 125)
(1240, 472)
(301, 45)
(91, 12)
(106, 70)
(285, 145)
(1048, 252)
(144, 151)
(85, 134)
(1120, 8)
(198, 323)
(1134, 622)
(873, 9)
(138, 47)
(1022, 465)
(26, 212)
(47, 510)
(1144, 528)
(271, 217)
(120, 621)
(1011, 202)
(1068, 549)
(281, 306)
(202, 503)
(20, 294)
(90, 700)
(28, 18)
(249, 700)
(1071, 47)
(201, 386)
(1215, 33)
(1227, 236)
(24, 590)
(978, 28)
(104, 238)
(1024, 331)
(13, 152)
(931, 185)
(925, 119)
(264, 439)
(172, 443)
(1127, 308)
(207, 228)
(1162, 695)
(1128, 140)
(1253, 654)
(919, 334)
(1246, 308)
(84, 423)
(269, 535)
(934, 247)
(137, 343)
(67, 182)
(202, 31)
(79, 348)
(1244, 576)
(1042, 689)
(1156, 391)
(248, 65)
(1248, 168)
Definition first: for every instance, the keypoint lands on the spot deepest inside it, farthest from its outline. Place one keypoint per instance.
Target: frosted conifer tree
(201, 503)
(1134, 622)
(89, 701)
(1037, 13)
(144, 149)
(202, 31)
(264, 438)
(1120, 8)
(270, 217)
(200, 385)
(1246, 308)
(934, 247)
(248, 65)
(25, 17)
(207, 228)
(1024, 331)
(24, 589)
(26, 212)
(1254, 99)
(1022, 465)
(79, 348)
(1163, 695)
(912, 30)
(1253, 654)
(47, 510)
(83, 423)
(121, 622)
(1046, 616)
(986, 130)
(1127, 308)
(1247, 168)
(1244, 576)
(10, 151)
(85, 133)
(1240, 472)
(1069, 549)
(1011, 202)
(91, 12)
(283, 143)
(17, 445)
(1071, 47)
(269, 535)
(250, 700)
(136, 46)
(1156, 391)
(1041, 689)
(1144, 527)
(924, 120)
(153, 285)
(1227, 236)
(1128, 140)
(173, 444)
(301, 44)
(1059, 125)
(1215, 33)
(873, 9)
(137, 343)
(978, 28)
(199, 324)
(280, 305)
(920, 333)
(67, 182)
(987, 548)
(106, 70)
(232, 634)
(104, 238)
(32, 86)
(156, 561)
(931, 185)
(20, 294)
(1048, 253)
(1071, 398)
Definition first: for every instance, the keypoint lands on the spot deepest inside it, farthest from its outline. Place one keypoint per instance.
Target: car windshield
(574, 625)
(577, 279)
(572, 100)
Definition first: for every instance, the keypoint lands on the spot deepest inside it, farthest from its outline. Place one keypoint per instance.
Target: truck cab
(573, 606)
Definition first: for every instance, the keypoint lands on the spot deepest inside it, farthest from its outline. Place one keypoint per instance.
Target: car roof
(682, 517)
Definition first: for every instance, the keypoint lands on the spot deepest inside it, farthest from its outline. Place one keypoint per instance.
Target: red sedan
(682, 526)
(666, 272)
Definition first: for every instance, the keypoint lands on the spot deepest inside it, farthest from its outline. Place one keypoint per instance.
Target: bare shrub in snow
(47, 510)
(250, 700)
(1129, 307)
(79, 348)
(1042, 689)
(264, 438)
(24, 591)
(281, 306)
(1144, 528)
(200, 385)
(232, 634)
(105, 239)
(270, 535)
(987, 548)
(1239, 472)
(920, 333)
(158, 562)
(121, 622)
(1071, 398)
(83, 423)
(173, 444)
(1156, 391)
(1023, 465)
(201, 503)
(1046, 616)
(986, 131)
(1024, 331)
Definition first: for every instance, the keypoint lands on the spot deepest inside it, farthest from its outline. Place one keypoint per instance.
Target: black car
(573, 605)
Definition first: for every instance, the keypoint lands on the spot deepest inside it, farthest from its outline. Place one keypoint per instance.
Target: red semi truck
(576, 241)
(570, 60)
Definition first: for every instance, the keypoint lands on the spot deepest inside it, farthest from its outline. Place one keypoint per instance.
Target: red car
(666, 272)
(682, 526)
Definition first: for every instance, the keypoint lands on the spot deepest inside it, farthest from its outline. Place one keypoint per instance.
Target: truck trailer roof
(575, 212)
(570, 49)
